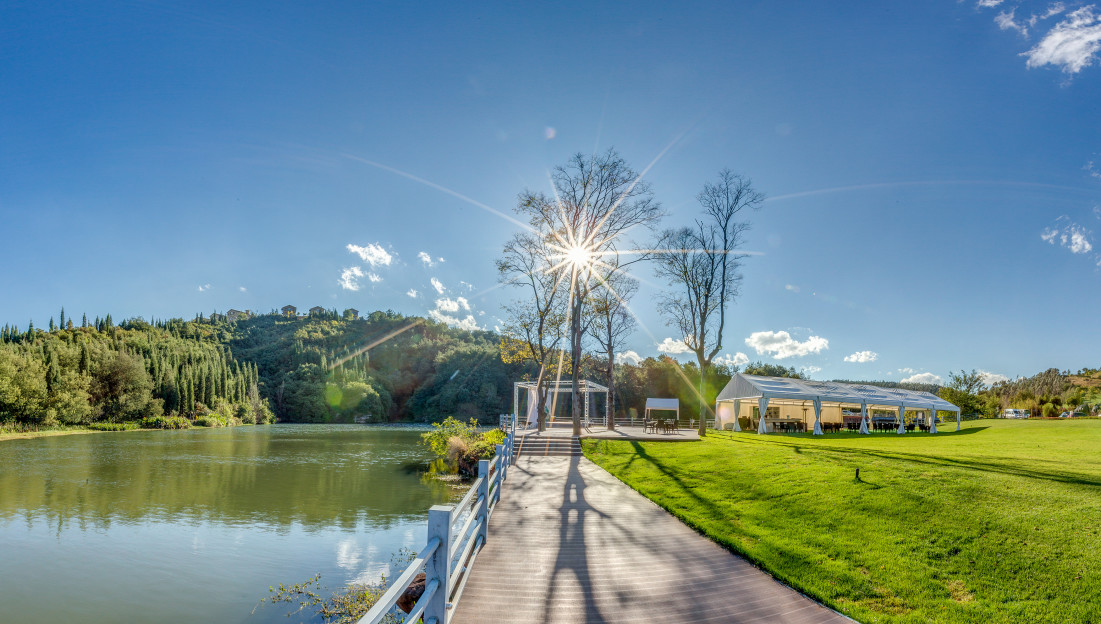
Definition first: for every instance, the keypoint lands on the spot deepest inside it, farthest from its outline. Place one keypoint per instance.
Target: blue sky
(933, 169)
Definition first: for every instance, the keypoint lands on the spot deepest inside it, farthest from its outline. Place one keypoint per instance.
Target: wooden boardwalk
(568, 542)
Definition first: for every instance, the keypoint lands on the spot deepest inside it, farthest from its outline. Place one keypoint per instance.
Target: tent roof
(754, 386)
(583, 385)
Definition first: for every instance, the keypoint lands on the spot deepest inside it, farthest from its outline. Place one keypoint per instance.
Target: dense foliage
(99, 372)
(384, 367)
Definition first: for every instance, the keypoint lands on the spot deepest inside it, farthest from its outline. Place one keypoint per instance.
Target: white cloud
(468, 323)
(810, 370)
(781, 345)
(373, 254)
(629, 357)
(1097, 211)
(374, 277)
(242, 289)
(791, 287)
(1079, 244)
(925, 378)
(437, 285)
(672, 346)
(204, 287)
(425, 258)
(1072, 236)
(440, 260)
(986, 4)
(1052, 11)
(466, 285)
(447, 304)
(1005, 21)
(412, 293)
(906, 371)
(349, 278)
(738, 359)
(862, 356)
(989, 378)
(1071, 45)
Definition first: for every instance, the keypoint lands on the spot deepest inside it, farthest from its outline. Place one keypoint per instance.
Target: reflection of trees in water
(316, 477)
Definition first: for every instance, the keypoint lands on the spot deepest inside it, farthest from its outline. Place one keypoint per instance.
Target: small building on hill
(235, 315)
(317, 311)
(289, 310)
(351, 314)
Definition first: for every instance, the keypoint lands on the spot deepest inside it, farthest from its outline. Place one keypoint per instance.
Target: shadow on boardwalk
(570, 543)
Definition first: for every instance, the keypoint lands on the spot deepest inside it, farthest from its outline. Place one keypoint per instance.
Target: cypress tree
(52, 326)
(84, 321)
(62, 317)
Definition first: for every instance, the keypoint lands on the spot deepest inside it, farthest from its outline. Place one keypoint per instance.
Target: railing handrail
(450, 578)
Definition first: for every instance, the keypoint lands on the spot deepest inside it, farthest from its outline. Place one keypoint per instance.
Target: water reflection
(315, 477)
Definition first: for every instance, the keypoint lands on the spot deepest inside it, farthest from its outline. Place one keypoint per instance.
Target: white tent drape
(533, 407)
(762, 404)
(817, 416)
(901, 419)
(737, 427)
(864, 417)
(932, 419)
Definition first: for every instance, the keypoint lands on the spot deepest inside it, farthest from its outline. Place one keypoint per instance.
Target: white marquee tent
(785, 391)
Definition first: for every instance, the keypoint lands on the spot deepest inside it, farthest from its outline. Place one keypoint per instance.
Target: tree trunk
(610, 397)
(575, 344)
(541, 400)
(702, 430)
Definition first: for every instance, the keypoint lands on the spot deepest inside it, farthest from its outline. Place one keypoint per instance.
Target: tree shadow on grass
(965, 464)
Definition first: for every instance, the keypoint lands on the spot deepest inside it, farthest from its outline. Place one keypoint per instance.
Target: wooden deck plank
(570, 543)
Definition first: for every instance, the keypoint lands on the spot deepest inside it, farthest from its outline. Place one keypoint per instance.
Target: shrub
(207, 420)
(165, 422)
(1048, 410)
(110, 426)
(457, 448)
(439, 439)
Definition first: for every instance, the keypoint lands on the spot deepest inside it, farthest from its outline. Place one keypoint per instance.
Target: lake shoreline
(27, 435)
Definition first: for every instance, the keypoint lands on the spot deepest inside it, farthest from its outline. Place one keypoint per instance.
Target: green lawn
(1000, 522)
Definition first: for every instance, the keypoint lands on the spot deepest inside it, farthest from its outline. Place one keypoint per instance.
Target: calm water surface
(194, 526)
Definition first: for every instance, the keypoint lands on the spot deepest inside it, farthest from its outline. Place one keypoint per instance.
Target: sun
(579, 256)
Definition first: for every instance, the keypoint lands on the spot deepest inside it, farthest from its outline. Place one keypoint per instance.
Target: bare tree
(610, 322)
(703, 266)
(537, 323)
(596, 200)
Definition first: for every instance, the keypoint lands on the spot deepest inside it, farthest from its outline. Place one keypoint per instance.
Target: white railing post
(483, 504)
(436, 567)
(501, 466)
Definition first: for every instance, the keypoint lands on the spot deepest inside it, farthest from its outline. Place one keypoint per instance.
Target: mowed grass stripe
(1000, 522)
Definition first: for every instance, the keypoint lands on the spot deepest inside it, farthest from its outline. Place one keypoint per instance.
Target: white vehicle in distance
(1016, 413)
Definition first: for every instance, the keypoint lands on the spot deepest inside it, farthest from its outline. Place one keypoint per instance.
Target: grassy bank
(11, 433)
(1000, 522)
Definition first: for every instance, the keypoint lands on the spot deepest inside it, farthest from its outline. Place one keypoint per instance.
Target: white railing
(449, 554)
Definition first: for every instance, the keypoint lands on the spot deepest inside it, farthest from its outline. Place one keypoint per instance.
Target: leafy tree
(610, 323)
(596, 200)
(121, 388)
(536, 324)
(772, 370)
(703, 266)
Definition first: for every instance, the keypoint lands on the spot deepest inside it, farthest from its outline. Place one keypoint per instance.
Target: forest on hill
(384, 367)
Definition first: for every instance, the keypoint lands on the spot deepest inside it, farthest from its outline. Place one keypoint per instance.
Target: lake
(195, 525)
